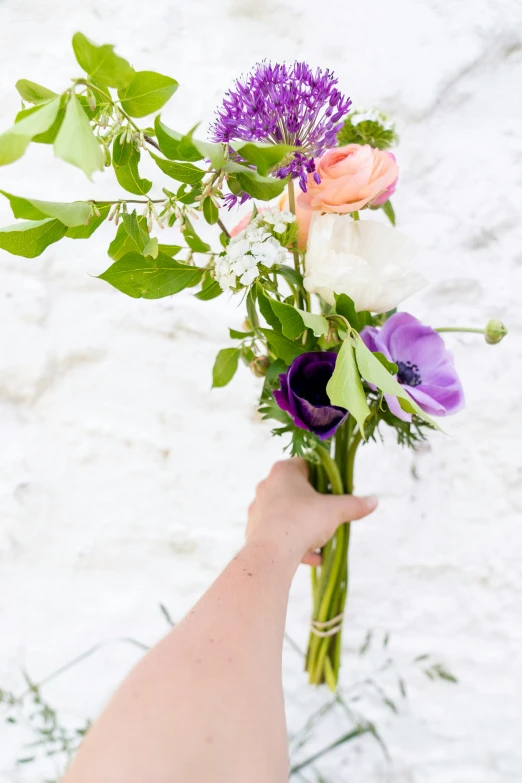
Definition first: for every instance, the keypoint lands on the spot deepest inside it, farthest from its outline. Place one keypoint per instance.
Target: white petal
(364, 259)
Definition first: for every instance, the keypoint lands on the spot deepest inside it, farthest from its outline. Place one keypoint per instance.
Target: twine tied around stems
(328, 627)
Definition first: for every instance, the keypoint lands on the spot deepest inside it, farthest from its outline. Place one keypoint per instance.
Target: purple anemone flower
(281, 104)
(303, 394)
(425, 366)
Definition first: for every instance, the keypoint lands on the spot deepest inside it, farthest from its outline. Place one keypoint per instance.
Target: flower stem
(459, 329)
(295, 250)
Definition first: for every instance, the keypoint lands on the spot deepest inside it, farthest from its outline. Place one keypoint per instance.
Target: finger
(312, 559)
(294, 466)
(348, 508)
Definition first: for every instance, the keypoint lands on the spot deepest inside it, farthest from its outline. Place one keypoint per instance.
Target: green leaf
(225, 366)
(317, 323)
(283, 348)
(123, 242)
(177, 146)
(344, 306)
(121, 152)
(265, 308)
(209, 290)
(374, 372)
(84, 232)
(182, 172)
(75, 214)
(390, 367)
(30, 239)
(170, 250)
(262, 188)
(140, 276)
(291, 320)
(137, 233)
(193, 241)
(151, 248)
(32, 92)
(345, 388)
(129, 177)
(210, 211)
(75, 142)
(146, 93)
(263, 156)
(389, 211)
(14, 141)
(101, 63)
(235, 335)
(169, 143)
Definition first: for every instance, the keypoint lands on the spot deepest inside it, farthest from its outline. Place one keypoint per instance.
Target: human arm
(206, 704)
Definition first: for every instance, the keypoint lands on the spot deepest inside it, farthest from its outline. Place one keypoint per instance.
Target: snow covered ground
(124, 479)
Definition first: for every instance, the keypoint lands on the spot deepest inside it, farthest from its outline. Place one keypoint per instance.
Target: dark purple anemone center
(408, 374)
(310, 383)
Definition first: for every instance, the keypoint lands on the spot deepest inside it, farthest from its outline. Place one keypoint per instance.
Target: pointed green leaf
(121, 152)
(374, 372)
(32, 92)
(291, 320)
(140, 276)
(193, 240)
(225, 366)
(75, 214)
(182, 172)
(146, 93)
(137, 232)
(235, 335)
(390, 367)
(317, 323)
(14, 141)
(177, 146)
(129, 177)
(265, 308)
(170, 250)
(123, 243)
(210, 211)
(30, 239)
(283, 348)
(209, 290)
(262, 188)
(75, 142)
(101, 63)
(263, 156)
(345, 388)
(389, 211)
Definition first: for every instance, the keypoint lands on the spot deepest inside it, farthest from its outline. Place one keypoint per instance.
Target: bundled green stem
(330, 581)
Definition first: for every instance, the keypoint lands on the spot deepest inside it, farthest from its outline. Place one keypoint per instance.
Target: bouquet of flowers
(319, 269)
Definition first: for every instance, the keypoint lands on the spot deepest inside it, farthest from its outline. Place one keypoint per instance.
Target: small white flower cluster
(239, 266)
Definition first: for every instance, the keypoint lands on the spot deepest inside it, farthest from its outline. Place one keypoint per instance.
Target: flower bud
(260, 365)
(495, 331)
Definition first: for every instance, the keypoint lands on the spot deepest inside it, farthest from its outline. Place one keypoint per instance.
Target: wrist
(274, 551)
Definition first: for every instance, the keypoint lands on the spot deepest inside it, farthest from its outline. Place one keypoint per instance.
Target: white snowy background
(124, 479)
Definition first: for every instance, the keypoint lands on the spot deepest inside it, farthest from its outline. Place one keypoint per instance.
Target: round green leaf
(147, 92)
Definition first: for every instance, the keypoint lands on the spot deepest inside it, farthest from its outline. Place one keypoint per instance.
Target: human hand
(288, 512)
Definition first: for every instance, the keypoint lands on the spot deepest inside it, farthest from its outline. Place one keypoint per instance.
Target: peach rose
(351, 177)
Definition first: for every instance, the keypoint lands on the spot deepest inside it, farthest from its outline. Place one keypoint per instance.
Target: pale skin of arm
(206, 705)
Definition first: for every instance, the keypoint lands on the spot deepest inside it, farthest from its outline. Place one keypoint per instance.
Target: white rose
(367, 260)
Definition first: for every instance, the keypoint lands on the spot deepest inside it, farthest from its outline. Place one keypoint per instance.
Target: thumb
(347, 508)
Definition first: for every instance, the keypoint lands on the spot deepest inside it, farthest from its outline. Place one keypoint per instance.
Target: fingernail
(372, 502)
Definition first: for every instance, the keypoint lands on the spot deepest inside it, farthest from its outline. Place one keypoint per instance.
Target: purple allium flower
(303, 394)
(283, 104)
(425, 366)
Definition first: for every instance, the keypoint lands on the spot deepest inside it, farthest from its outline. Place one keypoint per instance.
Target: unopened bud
(494, 332)
(260, 365)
